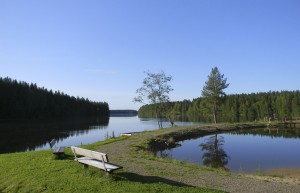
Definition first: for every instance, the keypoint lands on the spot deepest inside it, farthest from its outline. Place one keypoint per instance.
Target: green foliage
(149, 110)
(213, 91)
(94, 146)
(20, 100)
(155, 90)
(237, 108)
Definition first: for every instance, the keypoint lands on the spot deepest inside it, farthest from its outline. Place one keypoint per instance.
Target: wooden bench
(56, 150)
(94, 158)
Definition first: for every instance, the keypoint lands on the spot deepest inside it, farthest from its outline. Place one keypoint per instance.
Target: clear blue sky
(100, 49)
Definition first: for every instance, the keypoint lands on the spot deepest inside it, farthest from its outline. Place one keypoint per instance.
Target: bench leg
(85, 166)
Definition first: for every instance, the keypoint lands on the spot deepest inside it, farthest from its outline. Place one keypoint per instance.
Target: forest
(234, 108)
(24, 101)
(123, 113)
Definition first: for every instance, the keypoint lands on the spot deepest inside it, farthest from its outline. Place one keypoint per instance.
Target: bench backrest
(52, 143)
(89, 153)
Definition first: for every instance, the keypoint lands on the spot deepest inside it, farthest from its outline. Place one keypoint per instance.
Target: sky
(100, 49)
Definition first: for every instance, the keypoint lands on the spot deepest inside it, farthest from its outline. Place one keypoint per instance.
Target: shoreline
(173, 135)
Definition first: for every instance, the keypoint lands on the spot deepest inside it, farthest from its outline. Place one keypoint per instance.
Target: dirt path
(121, 153)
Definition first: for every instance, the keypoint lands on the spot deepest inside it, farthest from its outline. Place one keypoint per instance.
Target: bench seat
(94, 158)
(58, 150)
(109, 167)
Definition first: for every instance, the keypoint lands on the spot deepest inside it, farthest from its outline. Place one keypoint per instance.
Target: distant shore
(123, 113)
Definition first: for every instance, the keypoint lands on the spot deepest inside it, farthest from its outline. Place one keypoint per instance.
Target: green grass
(40, 171)
(94, 146)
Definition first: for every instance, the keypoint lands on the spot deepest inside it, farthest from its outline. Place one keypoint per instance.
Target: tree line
(156, 89)
(214, 105)
(21, 100)
(234, 108)
(123, 113)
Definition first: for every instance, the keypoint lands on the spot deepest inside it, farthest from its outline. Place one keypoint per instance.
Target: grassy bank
(40, 171)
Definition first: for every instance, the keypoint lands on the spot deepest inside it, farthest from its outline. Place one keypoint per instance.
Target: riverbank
(40, 172)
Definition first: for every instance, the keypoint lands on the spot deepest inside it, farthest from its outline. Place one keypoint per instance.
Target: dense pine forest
(235, 108)
(20, 100)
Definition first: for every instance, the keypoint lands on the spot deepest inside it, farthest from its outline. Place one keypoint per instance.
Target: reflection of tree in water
(276, 132)
(163, 151)
(214, 155)
(163, 154)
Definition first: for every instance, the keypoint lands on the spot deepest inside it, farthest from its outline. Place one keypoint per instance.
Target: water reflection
(242, 151)
(213, 152)
(27, 136)
(278, 132)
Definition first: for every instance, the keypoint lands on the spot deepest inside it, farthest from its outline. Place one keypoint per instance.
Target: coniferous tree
(213, 91)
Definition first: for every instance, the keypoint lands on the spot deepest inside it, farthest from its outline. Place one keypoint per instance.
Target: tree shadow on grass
(149, 179)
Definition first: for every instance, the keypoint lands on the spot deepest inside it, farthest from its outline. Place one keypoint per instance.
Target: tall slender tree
(213, 91)
(155, 90)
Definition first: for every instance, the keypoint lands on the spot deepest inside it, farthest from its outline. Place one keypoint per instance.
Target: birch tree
(155, 90)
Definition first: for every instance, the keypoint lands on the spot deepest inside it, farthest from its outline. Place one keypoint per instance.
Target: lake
(249, 151)
(246, 151)
(32, 136)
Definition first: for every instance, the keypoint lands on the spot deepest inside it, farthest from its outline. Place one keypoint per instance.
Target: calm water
(247, 152)
(31, 136)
